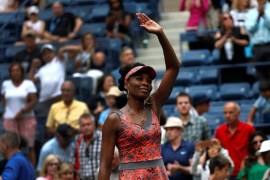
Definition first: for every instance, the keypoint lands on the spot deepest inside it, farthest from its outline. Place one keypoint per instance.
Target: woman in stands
(19, 97)
(50, 168)
(135, 128)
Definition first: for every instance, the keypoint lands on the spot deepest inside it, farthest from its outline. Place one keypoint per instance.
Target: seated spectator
(66, 111)
(126, 57)
(62, 26)
(97, 104)
(19, 97)
(231, 41)
(33, 25)
(18, 165)
(29, 53)
(205, 151)
(254, 167)
(219, 168)
(257, 24)
(234, 135)
(98, 62)
(50, 76)
(176, 152)
(50, 168)
(196, 127)
(198, 13)
(118, 21)
(9, 6)
(59, 145)
(262, 104)
(110, 98)
(239, 12)
(86, 149)
(201, 103)
(67, 172)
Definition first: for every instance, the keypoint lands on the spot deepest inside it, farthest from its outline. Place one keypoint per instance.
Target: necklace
(137, 118)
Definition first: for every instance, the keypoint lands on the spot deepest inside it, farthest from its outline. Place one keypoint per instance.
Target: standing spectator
(50, 76)
(239, 12)
(50, 168)
(62, 26)
(257, 24)
(59, 145)
(86, 149)
(198, 13)
(262, 104)
(234, 135)
(176, 152)
(196, 127)
(201, 103)
(18, 166)
(219, 168)
(126, 57)
(31, 52)
(66, 111)
(19, 97)
(265, 153)
(254, 167)
(33, 25)
(67, 172)
(231, 41)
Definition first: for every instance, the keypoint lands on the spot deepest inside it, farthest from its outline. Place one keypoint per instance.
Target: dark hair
(30, 36)
(11, 139)
(123, 71)
(218, 162)
(102, 80)
(16, 64)
(184, 94)
(65, 131)
(264, 86)
(120, 4)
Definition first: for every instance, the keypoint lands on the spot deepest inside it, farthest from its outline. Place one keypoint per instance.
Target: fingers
(143, 18)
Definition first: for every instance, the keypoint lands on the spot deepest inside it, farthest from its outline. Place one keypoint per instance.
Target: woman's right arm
(109, 131)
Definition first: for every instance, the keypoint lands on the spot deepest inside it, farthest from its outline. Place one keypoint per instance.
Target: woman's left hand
(148, 24)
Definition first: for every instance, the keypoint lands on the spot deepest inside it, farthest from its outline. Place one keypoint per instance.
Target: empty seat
(99, 13)
(90, 2)
(81, 11)
(11, 51)
(196, 57)
(176, 90)
(186, 77)
(64, 2)
(255, 90)
(97, 29)
(4, 73)
(170, 110)
(45, 14)
(209, 90)
(208, 75)
(133, 7)
(232, 91)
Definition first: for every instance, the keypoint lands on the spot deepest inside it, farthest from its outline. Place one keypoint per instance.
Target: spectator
(59, 145)
(110, 98)
(262, 104)
(126, 57)
(50, 168)
(29, 53)
(62, 26)
(239, 12)
(98, 103)
(67, 172)
(118, 21)
(33, 25)
(205, 151)
(198, 13)
(51, 77)
(201, 103)
(257, 24)
(98, 62)
(86, 148)
(19, 97)
(234, 135)
(219, 168)
(265, 152)
(18, 165)
(176, 152)
(196, 127)
(231, 41)
(254, 167)
(214, 13)
(8, 6)
(66, 111)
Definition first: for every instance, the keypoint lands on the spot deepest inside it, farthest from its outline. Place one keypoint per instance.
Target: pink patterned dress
(138, 146)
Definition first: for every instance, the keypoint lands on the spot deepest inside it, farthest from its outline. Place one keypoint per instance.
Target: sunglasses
(257, 142)
(53, 164)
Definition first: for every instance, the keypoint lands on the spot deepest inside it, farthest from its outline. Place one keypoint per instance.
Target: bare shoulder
(112, 122)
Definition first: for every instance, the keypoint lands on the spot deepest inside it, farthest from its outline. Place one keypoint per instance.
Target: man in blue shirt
(177, 153)
(18, 166)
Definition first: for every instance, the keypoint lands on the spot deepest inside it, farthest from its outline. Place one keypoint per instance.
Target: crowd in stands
(63, 84)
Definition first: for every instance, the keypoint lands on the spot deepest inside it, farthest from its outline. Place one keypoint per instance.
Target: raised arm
(109, 131)
(171, 61)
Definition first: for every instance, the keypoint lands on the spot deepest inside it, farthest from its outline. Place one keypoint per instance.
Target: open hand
(148, 24)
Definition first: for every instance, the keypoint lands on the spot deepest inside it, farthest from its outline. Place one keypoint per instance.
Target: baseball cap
(47, 46)
(173, 122)
(147, 69)
(265, 146)
(33, 10)
(114, 91)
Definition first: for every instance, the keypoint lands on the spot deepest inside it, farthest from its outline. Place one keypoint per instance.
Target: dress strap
(148, 121)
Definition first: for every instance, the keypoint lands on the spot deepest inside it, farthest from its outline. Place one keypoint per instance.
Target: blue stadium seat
(4, 73)
(99, 13)
(190, 36)
(196, 57)
(11, 18)
(231, 91)
(208, 75)
(84, 87)
(186, 77)
(209, 90)
(81, 11)
(214, 120)
(45, 14)
(64, 2)
(176, 90)
(11, 51)
(90, 2)
(97, 29)
(133, 7)
(255, 89)
(170, 110)
(160, 74)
